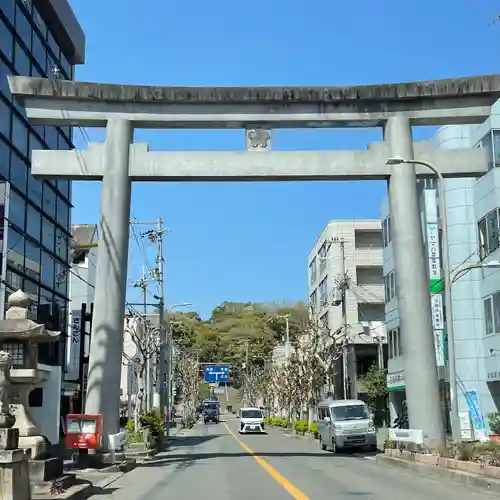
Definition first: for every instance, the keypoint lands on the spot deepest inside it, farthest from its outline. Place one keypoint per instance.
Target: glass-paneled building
(39, 38)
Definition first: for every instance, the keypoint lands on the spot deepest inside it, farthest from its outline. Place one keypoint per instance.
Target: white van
(345, 423)
(251, 420)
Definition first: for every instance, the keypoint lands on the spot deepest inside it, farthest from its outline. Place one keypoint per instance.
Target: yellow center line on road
(281, 480)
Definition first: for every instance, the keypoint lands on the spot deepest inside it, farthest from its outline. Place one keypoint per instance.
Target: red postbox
(83, 431)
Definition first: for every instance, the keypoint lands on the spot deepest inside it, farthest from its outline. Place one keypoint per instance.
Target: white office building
(355, 246)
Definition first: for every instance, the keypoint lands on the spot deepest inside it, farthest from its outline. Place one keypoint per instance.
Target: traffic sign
(216, 373)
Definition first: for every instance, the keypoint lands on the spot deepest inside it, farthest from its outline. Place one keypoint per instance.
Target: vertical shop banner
(476, 416)
(435, 274)
(73, 368)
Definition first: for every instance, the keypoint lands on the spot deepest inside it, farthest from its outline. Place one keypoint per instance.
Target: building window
(32, 261)
(23, 28)
(323, 322)
(48, 234)
(496, 148)
(313, 299)
(4, 159)
(61, 245)
(386, 231)
(19, 135)
(5, 118)
(21, 61)
(492, 313)
(487, 143)
(18, 172)
(312, 271)
(17, 210)
(488, 233)
(15, 253)
(48, 269)
(395, 344)
(39, 52)
(6, 41)
(323, 291)
(63, 213)
(390, 286)
(61, 279)
(49, 201)
(367, 239)
(322, 255)
(33, 223)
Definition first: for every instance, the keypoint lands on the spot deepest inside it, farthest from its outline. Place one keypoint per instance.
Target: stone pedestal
(14, 468)
(14, 475)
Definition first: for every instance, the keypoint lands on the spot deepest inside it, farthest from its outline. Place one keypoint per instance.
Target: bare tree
(285, 386)
(146, 341)
(187, 379)
(255, 383)
(327, 347)
(310, 373)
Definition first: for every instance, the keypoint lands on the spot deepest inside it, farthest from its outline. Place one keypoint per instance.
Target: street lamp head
(491, 263)
(395, 160)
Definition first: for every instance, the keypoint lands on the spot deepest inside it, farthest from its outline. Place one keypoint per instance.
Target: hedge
(301, 426)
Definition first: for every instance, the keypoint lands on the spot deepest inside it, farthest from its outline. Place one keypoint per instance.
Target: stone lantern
(20, 337)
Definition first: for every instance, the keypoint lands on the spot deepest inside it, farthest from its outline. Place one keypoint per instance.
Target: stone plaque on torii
(394, 107)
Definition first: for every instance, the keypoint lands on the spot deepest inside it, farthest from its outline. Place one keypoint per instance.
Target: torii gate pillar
(412, 287)
(111, 276)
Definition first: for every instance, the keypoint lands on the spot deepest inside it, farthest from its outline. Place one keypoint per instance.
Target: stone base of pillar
(14, 475)
(37, 446)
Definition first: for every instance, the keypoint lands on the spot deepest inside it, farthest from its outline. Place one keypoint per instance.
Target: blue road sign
(216, 373)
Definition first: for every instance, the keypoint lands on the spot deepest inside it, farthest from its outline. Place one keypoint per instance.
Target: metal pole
(345, 371)
(448, 282)
(162, 376)
(147, 340)
(287, 336)
(380, 350)
(412, 289)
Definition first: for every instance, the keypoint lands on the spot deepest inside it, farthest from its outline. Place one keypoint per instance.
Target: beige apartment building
(349, 255)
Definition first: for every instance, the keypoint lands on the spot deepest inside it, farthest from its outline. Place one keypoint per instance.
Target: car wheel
(322, 445)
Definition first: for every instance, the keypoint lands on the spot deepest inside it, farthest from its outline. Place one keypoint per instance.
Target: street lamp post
(166, 359)
(448, 280)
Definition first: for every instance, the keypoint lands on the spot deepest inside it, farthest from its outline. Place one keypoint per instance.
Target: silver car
(346, 423)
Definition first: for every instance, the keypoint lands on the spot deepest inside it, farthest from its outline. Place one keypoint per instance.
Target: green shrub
(314, 428)
(494, 422)
(268, 421)
(130, 426)
(154, 421)
(389, 444)
(301, 426)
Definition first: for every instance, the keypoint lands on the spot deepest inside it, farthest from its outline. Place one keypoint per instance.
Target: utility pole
(342, 283)
(163, 383)
(143, 285)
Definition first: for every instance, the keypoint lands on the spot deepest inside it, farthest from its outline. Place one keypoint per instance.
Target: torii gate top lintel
(433, 102)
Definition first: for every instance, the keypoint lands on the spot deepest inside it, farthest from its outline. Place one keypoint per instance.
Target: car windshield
(251, 414)
(350, 412)
(211, 406)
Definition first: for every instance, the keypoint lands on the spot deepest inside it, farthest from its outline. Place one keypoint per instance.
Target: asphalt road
(213, 462)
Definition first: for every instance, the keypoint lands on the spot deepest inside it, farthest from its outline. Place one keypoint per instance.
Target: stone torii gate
(395, 107)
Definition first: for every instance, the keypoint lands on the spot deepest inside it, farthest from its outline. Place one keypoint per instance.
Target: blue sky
(250, 241)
